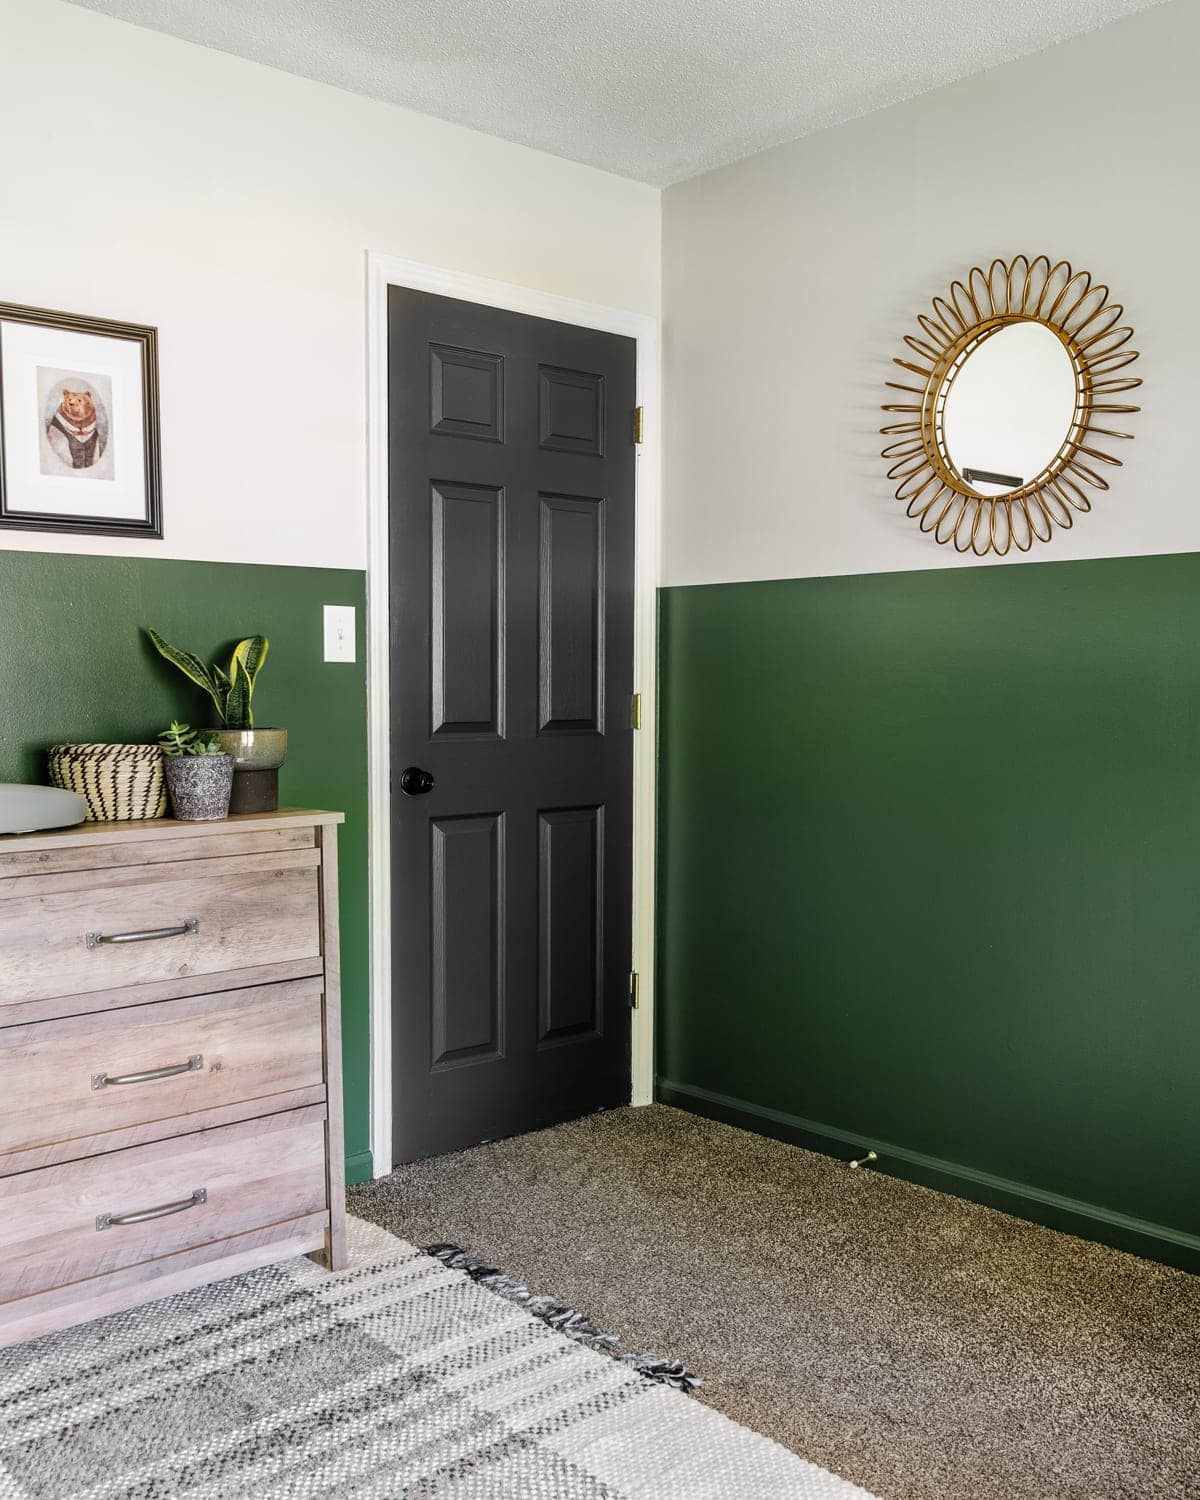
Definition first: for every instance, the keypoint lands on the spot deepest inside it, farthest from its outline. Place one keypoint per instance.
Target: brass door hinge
(633, 990)
(635, 711)
(639, 418)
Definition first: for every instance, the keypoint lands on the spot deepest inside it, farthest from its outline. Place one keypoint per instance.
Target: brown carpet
(924, 1347)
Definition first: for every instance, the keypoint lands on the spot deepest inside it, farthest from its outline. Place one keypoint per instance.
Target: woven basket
(119, 783)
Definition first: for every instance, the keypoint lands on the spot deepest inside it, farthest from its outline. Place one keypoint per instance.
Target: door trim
(384, 271)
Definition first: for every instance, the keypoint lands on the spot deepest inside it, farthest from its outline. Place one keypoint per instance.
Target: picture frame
(79, 424)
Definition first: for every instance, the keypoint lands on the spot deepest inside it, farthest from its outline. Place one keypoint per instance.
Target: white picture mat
(25, 346)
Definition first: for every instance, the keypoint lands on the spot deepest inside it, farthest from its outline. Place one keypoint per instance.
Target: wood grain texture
(60, 1307)
(254, 992)
(259, 916)
(335, 1249)
(166, 989)
(153, 830)
(112, 854)
(254, 1043)
(50, 883)
(257, 1173)
(54, 1152)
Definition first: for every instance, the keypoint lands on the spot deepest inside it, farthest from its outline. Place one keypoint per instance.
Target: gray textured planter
(199, 786)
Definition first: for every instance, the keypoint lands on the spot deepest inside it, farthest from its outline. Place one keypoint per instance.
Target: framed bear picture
(79, 443)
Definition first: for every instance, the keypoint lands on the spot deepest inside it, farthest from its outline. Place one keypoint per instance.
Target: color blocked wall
(76, 666)
(233, 211)
(930, 875)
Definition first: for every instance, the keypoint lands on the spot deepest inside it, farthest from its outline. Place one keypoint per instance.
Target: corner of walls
(359, 1168)
(926, 868)
(1088, 1221)
(927, 878)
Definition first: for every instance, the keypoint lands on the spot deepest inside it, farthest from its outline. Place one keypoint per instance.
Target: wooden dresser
(170, 1060)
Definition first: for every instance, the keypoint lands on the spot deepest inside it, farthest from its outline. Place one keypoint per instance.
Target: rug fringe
(564, 1319)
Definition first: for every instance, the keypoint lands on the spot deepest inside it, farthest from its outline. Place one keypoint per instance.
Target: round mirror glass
(1010, 408)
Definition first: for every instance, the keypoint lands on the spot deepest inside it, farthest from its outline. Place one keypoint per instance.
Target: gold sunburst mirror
(1005, 414)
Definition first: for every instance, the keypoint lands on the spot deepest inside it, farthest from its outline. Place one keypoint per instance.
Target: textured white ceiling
(652, 89)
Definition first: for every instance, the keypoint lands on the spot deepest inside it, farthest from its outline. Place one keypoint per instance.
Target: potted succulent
(199, 774)
(257, 753)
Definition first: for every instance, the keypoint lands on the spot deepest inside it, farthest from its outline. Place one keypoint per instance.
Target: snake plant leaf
(243, 681)
(190, 665)
(238, 713)
(221, 678)
(252, 653)
(244, 667)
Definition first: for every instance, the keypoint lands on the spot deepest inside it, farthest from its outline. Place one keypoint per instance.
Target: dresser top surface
(143, 830)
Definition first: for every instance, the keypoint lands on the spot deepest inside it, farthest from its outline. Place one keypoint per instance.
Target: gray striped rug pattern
(398, 1377)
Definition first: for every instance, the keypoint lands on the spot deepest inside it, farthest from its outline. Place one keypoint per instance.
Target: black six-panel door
(512, 572)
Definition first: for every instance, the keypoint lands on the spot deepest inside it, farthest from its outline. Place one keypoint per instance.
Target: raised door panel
(466, 626)
(571, 411)
(570, 923)
(466, 393)
(571, 615)
(467, 982)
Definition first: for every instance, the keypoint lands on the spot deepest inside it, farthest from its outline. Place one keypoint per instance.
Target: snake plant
(232, 690)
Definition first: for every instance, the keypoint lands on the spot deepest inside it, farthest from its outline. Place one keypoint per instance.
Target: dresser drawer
(70, 1081)
(149, 843)
(65, 1224)
(85, 931)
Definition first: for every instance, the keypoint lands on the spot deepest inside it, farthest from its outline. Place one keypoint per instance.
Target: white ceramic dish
(25, 809)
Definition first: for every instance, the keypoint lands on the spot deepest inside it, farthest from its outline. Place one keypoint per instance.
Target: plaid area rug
(398, 1377)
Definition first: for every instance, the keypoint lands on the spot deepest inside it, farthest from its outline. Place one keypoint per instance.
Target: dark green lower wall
(74, 665)
(930, 877)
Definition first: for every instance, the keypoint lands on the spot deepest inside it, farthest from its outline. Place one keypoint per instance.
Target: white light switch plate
(339, 632)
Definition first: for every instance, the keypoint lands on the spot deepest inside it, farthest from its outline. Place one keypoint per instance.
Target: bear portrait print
(79, 442)
(76, 423)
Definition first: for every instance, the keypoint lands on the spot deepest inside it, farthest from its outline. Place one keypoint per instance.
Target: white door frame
(384, 271)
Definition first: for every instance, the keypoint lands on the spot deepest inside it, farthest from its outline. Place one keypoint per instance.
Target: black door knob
(414, 782)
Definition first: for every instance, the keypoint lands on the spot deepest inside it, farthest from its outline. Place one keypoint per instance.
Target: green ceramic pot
(257, 756)
(254, 749)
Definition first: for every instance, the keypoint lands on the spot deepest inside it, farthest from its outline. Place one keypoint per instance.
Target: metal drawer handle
(193, 1065)
(111, 1221)
(98, 939)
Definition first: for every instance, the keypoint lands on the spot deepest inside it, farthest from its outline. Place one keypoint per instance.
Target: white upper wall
(230, 205)
(791, 278)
